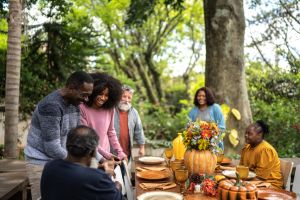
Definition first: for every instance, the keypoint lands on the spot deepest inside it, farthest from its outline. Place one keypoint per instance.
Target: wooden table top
(11, 183)
(176, 189)
(12, 165)
(187, 196)
(13, 178)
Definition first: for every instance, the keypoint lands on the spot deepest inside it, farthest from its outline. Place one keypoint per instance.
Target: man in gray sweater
(53, 118)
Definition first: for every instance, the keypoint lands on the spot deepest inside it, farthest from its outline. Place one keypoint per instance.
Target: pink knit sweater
(102, 121)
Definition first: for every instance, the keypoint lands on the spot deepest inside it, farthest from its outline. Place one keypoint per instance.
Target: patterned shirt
(52, 119)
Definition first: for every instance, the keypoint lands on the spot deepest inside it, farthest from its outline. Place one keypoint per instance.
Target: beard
(124, 106)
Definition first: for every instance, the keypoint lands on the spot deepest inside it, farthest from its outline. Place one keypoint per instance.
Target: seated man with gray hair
(72, 178)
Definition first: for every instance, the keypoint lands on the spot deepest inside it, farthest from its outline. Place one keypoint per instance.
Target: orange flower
(206, 134)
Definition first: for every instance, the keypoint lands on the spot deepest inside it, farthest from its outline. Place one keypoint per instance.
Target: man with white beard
(128, 124)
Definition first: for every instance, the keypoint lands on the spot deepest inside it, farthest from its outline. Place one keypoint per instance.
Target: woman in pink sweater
(98, 113)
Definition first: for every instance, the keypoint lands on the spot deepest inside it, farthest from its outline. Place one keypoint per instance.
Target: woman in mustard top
(260, 156)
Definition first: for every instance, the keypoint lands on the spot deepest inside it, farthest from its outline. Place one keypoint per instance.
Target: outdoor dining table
(188, 195)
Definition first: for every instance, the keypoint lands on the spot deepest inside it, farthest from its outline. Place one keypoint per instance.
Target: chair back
(296, 183)
(286, 171)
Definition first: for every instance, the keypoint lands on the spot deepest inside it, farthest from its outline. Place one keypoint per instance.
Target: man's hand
(142, 150)
(108, 166)
(118, 185)
(116, 159)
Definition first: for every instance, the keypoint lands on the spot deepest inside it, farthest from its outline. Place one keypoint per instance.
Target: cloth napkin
(150, 168)
(260, 184)
(161, 186)
(227, 168)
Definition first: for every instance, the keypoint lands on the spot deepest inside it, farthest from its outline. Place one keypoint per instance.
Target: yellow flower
(203, 144)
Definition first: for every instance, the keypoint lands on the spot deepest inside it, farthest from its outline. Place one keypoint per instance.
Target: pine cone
(196, 178)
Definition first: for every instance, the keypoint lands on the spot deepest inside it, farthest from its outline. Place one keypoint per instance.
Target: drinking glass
(169, 155)
(220, 157)
(181, 176)
(176, 164)
(243, 171)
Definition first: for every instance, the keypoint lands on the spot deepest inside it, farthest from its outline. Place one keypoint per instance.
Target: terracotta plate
(231, 174)
(160, 195)
(151, 160)
(154, 175)
(275, 194)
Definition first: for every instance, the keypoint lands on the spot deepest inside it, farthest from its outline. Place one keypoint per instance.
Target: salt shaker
(197, 188)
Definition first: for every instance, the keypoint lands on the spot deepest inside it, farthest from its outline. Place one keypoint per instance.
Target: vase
(178, 147)
(200, 162)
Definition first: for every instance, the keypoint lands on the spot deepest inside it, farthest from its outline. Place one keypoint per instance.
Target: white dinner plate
(160, 195)
(151, 160)
(231, 174)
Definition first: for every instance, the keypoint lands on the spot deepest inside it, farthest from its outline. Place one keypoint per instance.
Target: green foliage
(159, 124)
(275, 98)
(282, 116)
(3, 47)
(54, 51)
(197, 82)
(140, 10)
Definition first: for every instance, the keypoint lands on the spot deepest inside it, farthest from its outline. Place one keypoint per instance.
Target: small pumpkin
(200, 162)
(236, 189)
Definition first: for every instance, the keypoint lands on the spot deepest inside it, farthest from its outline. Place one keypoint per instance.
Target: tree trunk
(156, 77)
(146, 82)
(225, 70)
(12, 84)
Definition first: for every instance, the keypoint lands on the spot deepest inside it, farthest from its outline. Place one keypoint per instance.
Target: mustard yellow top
(263, 160)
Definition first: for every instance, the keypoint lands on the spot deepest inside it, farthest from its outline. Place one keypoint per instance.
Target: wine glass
(169, 155)
(181, 176)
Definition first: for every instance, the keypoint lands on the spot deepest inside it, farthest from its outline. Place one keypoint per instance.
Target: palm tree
(12, 85)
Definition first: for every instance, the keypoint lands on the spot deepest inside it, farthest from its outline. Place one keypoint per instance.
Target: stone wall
(22, 127)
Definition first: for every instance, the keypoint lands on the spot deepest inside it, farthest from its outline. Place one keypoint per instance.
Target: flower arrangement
(209, 187)
(209, 184)
(202, 135)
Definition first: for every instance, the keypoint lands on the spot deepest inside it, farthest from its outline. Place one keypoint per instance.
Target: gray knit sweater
(51, 121)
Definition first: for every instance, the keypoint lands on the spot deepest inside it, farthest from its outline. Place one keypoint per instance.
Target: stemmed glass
(220, 157)
(243, 171)
(181, 176)
(169, 155)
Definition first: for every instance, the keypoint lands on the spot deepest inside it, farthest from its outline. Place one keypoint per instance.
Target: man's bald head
(82, 141)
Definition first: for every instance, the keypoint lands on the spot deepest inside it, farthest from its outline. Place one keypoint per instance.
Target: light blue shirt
(215, 116)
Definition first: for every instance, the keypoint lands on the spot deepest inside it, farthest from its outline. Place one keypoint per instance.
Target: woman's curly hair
(210, 97)
(101, 82)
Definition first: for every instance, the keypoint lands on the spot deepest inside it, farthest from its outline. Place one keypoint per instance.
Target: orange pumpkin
(235, 189)
(200, 162)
